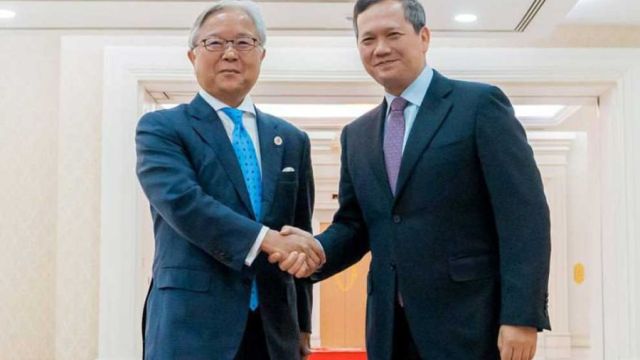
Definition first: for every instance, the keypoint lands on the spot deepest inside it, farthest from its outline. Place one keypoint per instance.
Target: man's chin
(387, 81)
(385, 77)
(233, 92)
(231, 89)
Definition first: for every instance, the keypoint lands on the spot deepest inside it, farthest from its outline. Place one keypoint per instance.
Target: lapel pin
(277, 140)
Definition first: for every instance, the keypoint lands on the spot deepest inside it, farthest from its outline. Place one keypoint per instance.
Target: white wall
(51, 113)
(28, 203)
(79, 220)
(51, 93)
(79, 210)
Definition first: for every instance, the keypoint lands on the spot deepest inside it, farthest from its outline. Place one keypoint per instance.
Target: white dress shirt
(250, 123)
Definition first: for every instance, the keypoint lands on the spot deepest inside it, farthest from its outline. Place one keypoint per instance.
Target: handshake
(296, 251)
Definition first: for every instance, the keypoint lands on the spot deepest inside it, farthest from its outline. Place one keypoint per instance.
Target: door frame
(616, 186)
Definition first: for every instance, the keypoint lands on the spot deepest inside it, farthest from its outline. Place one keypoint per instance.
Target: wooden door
(343, 305)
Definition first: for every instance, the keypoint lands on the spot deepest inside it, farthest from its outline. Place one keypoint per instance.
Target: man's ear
(264, 52)
(192, 56)
(425, 37)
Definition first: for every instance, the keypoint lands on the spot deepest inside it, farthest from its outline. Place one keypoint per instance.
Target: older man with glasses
(220, 175)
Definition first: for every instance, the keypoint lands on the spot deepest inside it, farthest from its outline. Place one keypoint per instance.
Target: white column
(620, 189)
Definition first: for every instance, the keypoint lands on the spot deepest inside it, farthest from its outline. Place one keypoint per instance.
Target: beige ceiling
(500, 23)
(512, 23)
(298, 17)
(605, 12)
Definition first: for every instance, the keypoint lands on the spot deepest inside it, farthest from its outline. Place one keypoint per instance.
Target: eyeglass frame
(232, 43)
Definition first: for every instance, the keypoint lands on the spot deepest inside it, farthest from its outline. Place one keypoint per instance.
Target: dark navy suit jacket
(465, 240)
(204, 227)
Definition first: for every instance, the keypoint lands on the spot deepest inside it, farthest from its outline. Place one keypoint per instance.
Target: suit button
(392, 266)
(397, 219)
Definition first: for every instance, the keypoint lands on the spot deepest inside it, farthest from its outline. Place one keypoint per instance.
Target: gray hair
(248, 7)
(413, 12)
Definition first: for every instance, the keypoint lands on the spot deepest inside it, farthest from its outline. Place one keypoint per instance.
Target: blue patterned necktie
(246, 154)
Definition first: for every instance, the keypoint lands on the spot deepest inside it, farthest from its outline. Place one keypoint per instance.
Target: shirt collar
(415, 92)
(217, 105)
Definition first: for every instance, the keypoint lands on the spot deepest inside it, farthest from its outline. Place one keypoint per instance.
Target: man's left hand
(517, 342)
(305, 345)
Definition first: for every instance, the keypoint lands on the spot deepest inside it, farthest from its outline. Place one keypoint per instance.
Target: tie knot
(398, 104)
(234, 114)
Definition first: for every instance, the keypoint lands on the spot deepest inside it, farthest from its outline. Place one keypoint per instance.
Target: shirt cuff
(255, 249)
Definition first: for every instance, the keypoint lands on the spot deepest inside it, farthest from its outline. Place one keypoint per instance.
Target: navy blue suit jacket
(204, 227)
(466, 238)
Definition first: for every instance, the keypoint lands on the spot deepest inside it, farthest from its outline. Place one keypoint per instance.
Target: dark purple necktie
(393, 139)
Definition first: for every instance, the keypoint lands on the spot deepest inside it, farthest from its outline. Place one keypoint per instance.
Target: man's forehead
(381, 20)
(220, 32)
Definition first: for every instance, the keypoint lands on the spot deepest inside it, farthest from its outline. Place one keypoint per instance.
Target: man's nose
(381, 48)
(229, 53)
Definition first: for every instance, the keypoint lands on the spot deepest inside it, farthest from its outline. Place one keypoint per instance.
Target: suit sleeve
(170, 183)
(304, 213)
(520, 211)
(346, 240)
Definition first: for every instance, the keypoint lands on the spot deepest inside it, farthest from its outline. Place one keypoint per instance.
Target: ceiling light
(466, 18)
(7, 14)
(538, 111)
(317, 110)
(321, 135)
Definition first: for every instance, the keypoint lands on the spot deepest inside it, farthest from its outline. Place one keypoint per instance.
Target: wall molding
(128, 68)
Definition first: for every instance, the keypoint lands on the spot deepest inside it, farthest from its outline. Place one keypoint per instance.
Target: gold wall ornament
(578, 273)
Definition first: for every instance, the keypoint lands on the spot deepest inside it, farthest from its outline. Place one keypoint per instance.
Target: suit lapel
(271, 154)
(209, 127)
(431, 115)
(375, 133)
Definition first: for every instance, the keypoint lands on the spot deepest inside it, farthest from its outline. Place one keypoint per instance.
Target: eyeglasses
(215, 44)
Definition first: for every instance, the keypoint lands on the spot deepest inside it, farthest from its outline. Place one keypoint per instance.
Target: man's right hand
(297, 252)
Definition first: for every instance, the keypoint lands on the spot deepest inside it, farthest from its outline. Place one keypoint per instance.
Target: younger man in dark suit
(439, 183)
